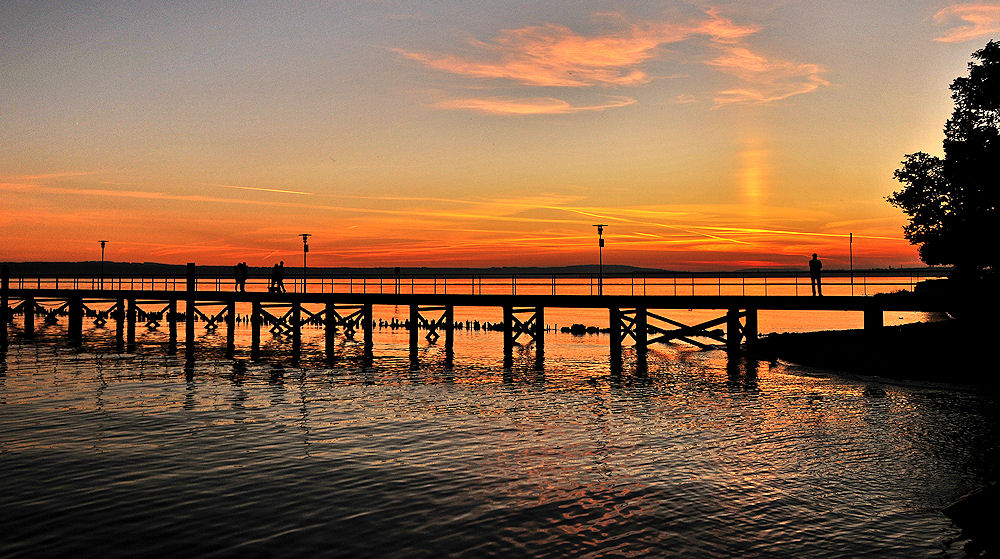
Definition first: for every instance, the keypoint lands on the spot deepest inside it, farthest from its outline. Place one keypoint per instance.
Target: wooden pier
(641, 319)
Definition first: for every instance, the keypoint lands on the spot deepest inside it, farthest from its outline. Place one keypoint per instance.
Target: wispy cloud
(533, 106)
(555, 55)
(46, 176)
(765, 79)
(980, 20)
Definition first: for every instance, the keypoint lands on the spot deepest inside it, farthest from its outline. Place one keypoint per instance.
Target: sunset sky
(706, 135)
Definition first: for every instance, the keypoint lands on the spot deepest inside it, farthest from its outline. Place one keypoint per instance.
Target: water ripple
(125, 455)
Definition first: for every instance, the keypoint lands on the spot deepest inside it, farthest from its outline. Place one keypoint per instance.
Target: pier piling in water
(255, 322)
(4, 303)
(414, 321)
(29, 316)
(449, 337)
(750, 330)
(189, 312)
(130, 326)
(539, 335)
(873, 317)
(617, 336)
(172, 326)
(119, 316)
(75, 326)
(296, 331)
(230, 327)
(330, 327)
(641, 340)
(508, 337)
(734, 332)
(369, 350)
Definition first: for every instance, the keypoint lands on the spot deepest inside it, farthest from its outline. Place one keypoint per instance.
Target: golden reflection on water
(569, 460)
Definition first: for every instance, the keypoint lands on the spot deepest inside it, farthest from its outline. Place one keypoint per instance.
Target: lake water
(137, 455)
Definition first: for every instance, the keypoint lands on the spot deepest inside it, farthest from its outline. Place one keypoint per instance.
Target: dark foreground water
(134, 455)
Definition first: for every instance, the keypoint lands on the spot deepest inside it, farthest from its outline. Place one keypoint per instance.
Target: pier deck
(640, 318)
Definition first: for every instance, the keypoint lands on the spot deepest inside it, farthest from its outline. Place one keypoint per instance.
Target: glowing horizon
(708, 136)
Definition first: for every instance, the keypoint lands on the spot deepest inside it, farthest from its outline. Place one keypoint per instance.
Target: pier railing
(860, 283)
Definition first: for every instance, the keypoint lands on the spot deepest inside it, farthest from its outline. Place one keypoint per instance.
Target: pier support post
(189, 312)
(75, 326)
(296, 331)
(641, 341)
(873, 326)
(4, 302)
(366, 317)
(172, 326)
(230, 327)
(130, 326)
(750, 330)
(330, 333)
(29, 316)
(539, 335)
(873, 317)
(734, 333)
(616, 340)
(120, 325)
(255, 320)
(449, 337)
(508, 337)
(414, 323)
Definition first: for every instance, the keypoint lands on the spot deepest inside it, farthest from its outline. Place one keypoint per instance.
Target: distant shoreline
(92, 267)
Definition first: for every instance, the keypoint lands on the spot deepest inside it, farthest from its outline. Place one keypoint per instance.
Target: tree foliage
(952, 202)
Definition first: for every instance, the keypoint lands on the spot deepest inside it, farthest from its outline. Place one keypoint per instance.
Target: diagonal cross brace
(684, 331)
(528, 326)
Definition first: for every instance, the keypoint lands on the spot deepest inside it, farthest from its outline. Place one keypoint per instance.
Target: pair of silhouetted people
(815, 275)
(277, 283)
(242, 272)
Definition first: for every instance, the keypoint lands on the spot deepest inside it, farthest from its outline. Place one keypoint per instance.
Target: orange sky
(706, 135)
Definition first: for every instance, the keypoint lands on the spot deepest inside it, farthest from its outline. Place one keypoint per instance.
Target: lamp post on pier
(102, 262)
(305, 250)
(600, 257)
(851, 249)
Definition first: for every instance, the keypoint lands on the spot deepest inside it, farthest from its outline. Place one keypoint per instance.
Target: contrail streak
(258, 189)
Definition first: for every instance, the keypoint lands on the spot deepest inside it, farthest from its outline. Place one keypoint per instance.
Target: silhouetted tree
(952, 202)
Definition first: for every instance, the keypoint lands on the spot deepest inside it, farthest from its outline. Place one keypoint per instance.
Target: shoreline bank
(944, 351)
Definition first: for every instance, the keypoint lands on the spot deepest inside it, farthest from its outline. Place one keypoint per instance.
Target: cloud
(556, 56)
(765, 80)
(260, 189)
(533, 106)
(46, 176)
(981, 19)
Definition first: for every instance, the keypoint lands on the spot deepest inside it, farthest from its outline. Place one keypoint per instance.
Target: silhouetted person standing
(279, 277)
(272, 284)
(241, 276)
(815, 275)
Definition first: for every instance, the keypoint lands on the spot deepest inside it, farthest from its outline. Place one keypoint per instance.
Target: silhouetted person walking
(815, 275)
